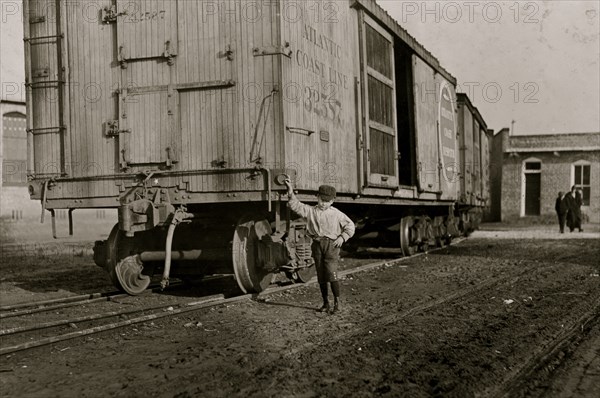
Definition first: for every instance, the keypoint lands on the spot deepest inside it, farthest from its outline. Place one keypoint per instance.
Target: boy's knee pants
(326, 258)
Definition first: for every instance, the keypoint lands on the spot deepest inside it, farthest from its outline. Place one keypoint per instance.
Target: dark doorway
(405, 109)
(532, 194)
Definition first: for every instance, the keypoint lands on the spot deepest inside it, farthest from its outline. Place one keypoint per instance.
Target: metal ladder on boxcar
(57, 86)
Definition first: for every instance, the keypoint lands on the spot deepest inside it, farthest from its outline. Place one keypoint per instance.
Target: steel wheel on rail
(406, 224)
(248, 265)
(125, 270)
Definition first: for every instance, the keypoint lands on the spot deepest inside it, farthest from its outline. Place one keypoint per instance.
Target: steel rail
(514, 383)
(57, 301)
(55, 339)
(197, 306)
(394, 318)
(59, 306)
(71, 302)
(91, 317)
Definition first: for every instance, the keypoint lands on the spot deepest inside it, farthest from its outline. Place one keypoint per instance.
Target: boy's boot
(325, 306)
(336, 306)
(335, 287)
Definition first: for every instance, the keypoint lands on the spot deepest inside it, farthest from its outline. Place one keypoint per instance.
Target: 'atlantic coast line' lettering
(320, 69)
(326, 44)
(316, 66)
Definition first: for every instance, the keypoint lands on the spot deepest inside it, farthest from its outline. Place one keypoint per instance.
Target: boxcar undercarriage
(254, 240)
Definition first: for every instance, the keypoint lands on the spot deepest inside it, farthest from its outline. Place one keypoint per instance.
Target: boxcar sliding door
(379, 98)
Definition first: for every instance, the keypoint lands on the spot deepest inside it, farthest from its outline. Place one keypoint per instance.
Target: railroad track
(147, 313)
(51, 305)
(547, 357)
(544, 359)
(16, 310)
(396, 317)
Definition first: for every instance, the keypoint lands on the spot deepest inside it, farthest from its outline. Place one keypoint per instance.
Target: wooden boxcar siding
(466, 144)
(476, 159)
(220, 126)
(321, 132)
(425, 97)
(147, 109)
(449, 178)
(206, 121)
(42, 73)
(427, 86)
(485, 167)
(93, 79)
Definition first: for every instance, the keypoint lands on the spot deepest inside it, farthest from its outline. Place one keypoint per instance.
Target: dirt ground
(458, 322)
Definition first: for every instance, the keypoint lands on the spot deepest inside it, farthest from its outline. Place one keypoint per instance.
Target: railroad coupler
(143, 215)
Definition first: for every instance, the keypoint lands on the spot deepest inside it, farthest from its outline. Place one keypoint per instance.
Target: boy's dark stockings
(324, 294)
(335, 288)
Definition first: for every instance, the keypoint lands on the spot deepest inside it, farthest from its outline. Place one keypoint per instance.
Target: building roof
(554, 143)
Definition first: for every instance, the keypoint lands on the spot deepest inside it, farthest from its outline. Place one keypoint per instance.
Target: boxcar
(187, 116)
(474, 156)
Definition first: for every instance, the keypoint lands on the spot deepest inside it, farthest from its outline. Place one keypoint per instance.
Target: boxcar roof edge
(377, 12)
(464, 98)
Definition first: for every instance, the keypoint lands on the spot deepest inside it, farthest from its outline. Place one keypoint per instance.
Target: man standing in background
(561, 211)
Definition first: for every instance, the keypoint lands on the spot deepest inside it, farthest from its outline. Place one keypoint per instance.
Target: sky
(536, 63)
(12, 69)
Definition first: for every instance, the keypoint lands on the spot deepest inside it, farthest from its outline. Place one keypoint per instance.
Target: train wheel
(248, 266)
(124, 272)
(405, 236)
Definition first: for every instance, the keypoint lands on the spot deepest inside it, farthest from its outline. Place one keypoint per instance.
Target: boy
(329, 229)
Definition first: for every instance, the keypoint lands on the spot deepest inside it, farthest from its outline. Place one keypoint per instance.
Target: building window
(14, 159)
(581, 179)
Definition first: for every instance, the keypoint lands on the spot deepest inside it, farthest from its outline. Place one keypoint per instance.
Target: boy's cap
(326, 192)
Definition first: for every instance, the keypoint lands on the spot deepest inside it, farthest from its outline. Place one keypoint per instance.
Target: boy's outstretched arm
(288, 184)
(294, 204)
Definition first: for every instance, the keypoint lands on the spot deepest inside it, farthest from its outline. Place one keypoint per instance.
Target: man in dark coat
(577, 212)
(573, 209)
(561, 211)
